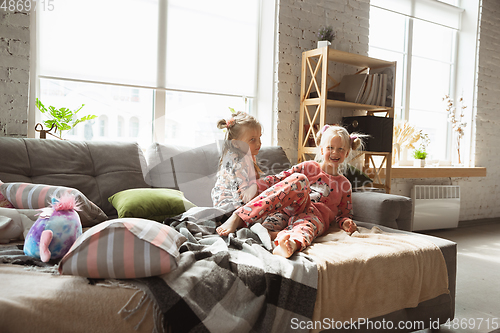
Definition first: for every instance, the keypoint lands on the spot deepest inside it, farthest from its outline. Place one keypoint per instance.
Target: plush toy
(55, 230)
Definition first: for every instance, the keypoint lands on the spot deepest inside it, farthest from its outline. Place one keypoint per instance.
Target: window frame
(259, 104)
(405, 109)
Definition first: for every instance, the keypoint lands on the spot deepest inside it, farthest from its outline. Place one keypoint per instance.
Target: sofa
(34, 300)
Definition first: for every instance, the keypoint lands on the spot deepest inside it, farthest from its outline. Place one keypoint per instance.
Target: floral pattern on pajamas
(310, 198)
(236, 173)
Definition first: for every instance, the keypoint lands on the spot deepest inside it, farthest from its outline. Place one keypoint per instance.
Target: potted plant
(405, 136)
(457, 119)
(419, 154)
(325, 35)
(63, 118)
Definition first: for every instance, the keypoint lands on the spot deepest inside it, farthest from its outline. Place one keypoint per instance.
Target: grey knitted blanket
(231, 284)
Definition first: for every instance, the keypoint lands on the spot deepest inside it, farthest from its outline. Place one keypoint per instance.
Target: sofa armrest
(394, 211)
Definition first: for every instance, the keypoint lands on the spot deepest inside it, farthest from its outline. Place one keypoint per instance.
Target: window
(133, 127)
(103, 126)
(421, 36)
(119, 126)
(150, 70)
(106, 101)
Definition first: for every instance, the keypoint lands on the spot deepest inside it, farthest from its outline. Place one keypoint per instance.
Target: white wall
(14, 73)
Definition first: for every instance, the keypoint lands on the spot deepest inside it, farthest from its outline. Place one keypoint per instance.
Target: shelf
(348, 105)
(313, 150)
(434, 172)
(316, 78)
(349, 58)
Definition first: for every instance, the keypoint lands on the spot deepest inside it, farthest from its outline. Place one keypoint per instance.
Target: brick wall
(482, 195)
(14, 73)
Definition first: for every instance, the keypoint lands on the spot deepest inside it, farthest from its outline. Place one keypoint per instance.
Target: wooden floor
(477, 306)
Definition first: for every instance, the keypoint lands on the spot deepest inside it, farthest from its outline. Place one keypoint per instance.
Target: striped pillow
(4, 203)
(124, 248)
(36, 196)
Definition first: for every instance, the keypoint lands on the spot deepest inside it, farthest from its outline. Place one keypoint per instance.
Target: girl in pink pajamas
(298, 205)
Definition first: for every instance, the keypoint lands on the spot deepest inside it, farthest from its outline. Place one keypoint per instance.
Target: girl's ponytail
(356, 142)
(221, 124)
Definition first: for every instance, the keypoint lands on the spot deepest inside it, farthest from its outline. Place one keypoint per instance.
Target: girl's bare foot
(349, 226)
(232, 223)
(286, 247)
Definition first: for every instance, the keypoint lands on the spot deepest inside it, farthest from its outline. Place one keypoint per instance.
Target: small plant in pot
(325, 35)
(420, 153)
(63, 119)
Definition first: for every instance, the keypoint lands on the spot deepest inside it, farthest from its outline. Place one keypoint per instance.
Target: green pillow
(356, 177)
(150, 203)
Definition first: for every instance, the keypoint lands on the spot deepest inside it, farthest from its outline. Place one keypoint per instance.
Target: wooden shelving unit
(315, 78)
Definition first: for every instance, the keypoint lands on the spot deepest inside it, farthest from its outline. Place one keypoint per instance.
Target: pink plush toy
(55, 230)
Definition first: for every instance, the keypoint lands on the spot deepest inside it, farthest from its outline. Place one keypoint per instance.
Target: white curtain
(427, 10)
(211, 46)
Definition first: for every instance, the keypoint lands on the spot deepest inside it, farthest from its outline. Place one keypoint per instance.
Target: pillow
(272, 160)
(36, 196)
(4, 203)
(356, 177)
(124, 249)
(173, 167)
(150, 203)
(14, 224)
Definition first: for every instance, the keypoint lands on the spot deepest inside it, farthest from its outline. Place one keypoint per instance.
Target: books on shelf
(387, 98)
(352, 86)
(375, 88)
(367, 90)
(381, 89)
(372, 96)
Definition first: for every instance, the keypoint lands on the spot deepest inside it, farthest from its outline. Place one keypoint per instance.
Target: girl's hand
(249, 193)
(349, 226)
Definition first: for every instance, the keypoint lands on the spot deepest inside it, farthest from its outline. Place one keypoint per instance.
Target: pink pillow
(124, 248)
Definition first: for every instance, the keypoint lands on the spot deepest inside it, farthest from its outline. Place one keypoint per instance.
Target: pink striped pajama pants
(286, 207)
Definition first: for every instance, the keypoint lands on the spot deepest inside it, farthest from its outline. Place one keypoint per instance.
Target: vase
(323, 43)
(396, 153)
(419, 163)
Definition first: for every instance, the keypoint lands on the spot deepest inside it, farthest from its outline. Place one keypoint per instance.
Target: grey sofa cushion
(273, 160)
(190, 170)
(97, 169)
(394, 211)
(193, 170)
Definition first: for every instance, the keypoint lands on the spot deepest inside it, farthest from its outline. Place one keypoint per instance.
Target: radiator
(435, 206)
